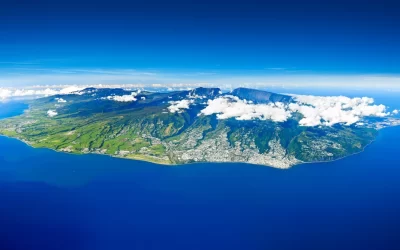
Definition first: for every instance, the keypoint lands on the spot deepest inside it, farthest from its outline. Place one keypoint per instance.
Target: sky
(305, 43)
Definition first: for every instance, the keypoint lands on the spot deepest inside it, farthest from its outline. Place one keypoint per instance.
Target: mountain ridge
(146, 128)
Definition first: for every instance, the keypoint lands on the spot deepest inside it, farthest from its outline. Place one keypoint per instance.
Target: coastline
(362, 150)
(190, 163)
(141, 160)
(167, 164)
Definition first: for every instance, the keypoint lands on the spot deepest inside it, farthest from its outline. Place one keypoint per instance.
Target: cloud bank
(123, 98)
(315, 110)
(52, 113)
(330, 110)
(231, 106)
(60, 100)
(178, 106)
(9, 93)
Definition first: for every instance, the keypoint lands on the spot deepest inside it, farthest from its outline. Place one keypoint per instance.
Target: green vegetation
(146, 130)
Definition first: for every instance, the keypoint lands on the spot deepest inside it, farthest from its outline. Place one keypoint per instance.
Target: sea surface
(51, 200)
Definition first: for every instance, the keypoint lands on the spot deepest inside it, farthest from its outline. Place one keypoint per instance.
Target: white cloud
(316, 110)
(230, 106)
(70, 90)
(330, 110)
(7, 93)
(35, 75)
(122, 98)
(60, 100)
(50, 90)
(177, 106)
(195, 96)
(52, 113)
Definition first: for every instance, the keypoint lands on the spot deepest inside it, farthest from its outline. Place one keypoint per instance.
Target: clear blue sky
(197, 38)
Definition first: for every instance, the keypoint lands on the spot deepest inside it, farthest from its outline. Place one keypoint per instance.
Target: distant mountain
(170, 128)
(194, 93)
(205, 92)
(260, 96)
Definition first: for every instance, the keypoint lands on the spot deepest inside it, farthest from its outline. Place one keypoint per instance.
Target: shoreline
(363, 149)
(200, 162)
(133, 159)
(183, 164)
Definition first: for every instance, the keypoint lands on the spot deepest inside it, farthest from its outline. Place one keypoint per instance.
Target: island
(199, 125)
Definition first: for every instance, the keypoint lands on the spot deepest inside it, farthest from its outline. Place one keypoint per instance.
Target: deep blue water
(52, 200)
(9, 109)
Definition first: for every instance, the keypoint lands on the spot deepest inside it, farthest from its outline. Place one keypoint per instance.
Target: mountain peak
(260, 96)
(209, 92)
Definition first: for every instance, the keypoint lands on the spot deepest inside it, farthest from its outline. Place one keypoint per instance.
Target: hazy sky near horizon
(327, 43)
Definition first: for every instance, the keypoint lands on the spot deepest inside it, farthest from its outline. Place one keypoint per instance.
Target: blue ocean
(51, 200)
